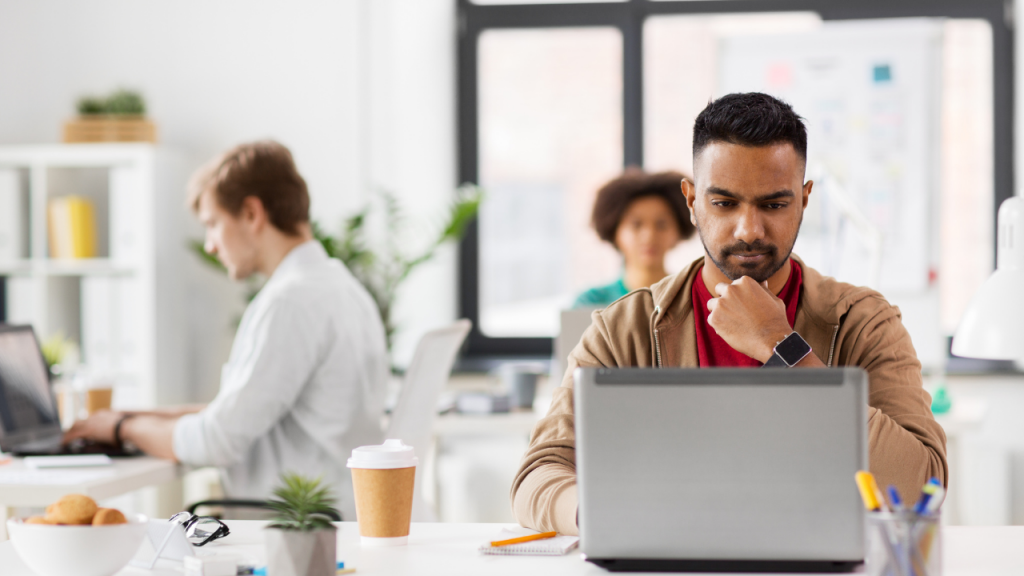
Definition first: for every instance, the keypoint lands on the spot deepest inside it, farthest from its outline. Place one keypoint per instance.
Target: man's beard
(759, 272)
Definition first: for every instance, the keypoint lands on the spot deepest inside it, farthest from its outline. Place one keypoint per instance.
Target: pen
(869, 492)
(530, 538)
(928, 491)
(894, 497)
(935, 501)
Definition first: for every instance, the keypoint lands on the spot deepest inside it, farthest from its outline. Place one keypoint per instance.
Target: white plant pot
(294, 553)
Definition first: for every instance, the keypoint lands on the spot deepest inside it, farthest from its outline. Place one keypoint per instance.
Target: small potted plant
(301, 541)
(119, 117)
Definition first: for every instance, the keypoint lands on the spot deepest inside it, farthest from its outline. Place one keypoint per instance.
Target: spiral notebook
(556, 546)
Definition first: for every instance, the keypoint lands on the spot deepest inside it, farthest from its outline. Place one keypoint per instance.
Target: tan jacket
(845, 326)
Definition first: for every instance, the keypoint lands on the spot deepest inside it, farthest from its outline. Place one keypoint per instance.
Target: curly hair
(614, 198)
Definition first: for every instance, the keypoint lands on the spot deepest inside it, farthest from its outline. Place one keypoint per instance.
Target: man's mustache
(755, 248)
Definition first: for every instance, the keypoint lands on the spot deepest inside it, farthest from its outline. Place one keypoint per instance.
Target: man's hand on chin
(749, 317)
(99, 428)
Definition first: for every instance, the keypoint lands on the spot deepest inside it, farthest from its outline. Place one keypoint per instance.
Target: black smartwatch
(118, 441)
(788, 352)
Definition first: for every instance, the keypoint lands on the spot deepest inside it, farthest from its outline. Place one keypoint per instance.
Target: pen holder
(903, 544)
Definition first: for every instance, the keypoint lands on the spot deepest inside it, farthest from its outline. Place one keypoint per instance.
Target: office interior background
(914, 141)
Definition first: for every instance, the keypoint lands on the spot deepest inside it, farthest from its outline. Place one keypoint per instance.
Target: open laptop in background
(739, 470)
(29, 419)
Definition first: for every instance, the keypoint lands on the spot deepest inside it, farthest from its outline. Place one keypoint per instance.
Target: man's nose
(749, 228)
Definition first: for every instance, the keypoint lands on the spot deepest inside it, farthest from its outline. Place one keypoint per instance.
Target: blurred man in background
(305, 380)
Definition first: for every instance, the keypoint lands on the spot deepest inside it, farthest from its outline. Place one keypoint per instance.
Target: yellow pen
(869, 491)
(530, 538)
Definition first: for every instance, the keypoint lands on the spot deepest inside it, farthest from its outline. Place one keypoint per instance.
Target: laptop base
(79, 447)
(694, 565)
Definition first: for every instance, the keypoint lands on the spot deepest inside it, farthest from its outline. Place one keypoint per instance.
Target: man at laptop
(304, 384)
(749, 302)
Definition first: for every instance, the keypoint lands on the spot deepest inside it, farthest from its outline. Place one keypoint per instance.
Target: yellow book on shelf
(72, 227)
(83, 227)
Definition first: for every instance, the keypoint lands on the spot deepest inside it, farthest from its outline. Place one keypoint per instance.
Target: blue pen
(894, 497)
(927, 492)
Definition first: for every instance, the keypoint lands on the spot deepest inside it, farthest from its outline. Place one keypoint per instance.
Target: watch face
(793, 349)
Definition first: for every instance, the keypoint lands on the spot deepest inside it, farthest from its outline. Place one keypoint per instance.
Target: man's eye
(721, 203)
(776, 205)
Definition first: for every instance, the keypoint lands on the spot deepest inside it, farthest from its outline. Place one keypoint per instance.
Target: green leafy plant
(91, 106)
(382, 267)
(119, 103)
(302, 504)
(58, 349)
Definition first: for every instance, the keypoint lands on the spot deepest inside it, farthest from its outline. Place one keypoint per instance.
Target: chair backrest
(412, 420)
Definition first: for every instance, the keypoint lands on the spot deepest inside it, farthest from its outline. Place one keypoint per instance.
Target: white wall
(362, 91)
(410, 106)
(213, 73)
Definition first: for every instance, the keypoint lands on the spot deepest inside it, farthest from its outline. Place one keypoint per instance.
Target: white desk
(21, 486)
(450, 549)
(519, 423)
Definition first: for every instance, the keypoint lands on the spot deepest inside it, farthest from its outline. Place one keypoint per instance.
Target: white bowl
(77, 550)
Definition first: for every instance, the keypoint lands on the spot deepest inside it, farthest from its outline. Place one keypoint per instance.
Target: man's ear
(253, 212)
(807, 191)
(690, 192)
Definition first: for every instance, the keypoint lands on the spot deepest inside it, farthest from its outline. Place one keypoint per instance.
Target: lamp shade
(993, 325)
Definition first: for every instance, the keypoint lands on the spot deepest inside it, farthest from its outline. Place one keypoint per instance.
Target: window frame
(629, 17)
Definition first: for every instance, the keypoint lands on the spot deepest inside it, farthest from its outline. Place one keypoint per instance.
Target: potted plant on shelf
(119, 117)
(301, 541)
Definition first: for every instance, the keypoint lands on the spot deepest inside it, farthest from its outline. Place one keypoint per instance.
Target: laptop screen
(27, 406)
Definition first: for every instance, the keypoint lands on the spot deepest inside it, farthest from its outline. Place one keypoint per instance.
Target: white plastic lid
(391, 454)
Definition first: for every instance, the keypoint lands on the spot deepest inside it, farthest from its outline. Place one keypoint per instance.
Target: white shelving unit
(123, 307)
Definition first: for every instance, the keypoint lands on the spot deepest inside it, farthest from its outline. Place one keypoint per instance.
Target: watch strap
(775, 361)
(118, 441)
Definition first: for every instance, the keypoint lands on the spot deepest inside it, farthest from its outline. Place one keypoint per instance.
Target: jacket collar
(823, 303)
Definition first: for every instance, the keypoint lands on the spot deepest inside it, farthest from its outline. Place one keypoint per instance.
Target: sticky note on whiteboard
(882, 73)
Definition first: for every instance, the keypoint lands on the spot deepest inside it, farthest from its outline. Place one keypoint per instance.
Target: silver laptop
(721, 469)
(29, 421)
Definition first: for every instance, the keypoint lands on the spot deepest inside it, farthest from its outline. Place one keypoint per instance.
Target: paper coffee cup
(97, 399)
(383, 478)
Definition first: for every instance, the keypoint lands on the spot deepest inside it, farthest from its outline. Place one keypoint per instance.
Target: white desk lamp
(993, 326)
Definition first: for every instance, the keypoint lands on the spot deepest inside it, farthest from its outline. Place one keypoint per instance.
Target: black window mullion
(629, 17)
(633, 85)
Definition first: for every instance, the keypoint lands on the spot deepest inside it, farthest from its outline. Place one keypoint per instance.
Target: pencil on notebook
(530, 538)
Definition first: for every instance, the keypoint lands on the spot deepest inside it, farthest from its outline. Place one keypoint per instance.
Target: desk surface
(451, 549)
(20, 486)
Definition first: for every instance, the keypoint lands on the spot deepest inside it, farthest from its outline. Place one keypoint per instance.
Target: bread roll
(72, 509)
(107, 516)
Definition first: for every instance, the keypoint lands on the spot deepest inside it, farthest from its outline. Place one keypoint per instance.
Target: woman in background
(643, 216)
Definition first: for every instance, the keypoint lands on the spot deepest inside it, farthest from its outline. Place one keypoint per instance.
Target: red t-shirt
(712, 350)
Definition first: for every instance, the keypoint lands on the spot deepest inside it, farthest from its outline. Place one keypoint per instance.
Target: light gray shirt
(304, 384)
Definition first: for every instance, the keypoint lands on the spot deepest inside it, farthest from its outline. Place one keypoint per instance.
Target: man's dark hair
(615, 197)
(749, 119)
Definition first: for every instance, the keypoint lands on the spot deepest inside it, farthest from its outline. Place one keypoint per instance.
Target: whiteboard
(870, 92)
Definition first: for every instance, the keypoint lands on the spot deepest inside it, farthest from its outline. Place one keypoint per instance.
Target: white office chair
(412, 420)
